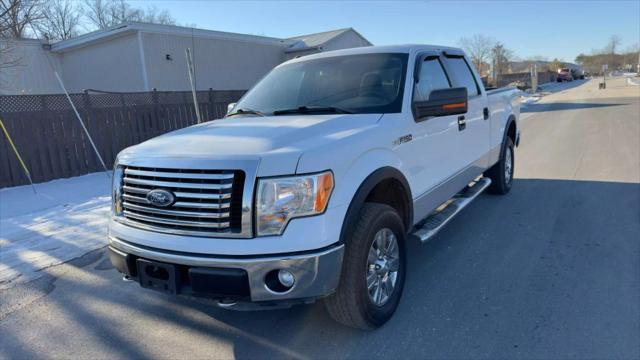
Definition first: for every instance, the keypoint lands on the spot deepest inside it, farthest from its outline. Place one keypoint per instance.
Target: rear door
(475, 132)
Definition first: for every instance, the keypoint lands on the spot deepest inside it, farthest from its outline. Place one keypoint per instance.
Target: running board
(441, 216)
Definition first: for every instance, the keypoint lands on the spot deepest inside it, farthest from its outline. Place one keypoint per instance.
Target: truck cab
(311, 186)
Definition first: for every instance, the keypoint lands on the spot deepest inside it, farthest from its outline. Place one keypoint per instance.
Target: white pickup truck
(314, 182)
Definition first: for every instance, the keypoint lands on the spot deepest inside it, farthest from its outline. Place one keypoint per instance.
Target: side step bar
(433, 223)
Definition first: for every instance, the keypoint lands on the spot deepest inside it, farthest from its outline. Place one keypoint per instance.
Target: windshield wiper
(312, 109)
(246, 112)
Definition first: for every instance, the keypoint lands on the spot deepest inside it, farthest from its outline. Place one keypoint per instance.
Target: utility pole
(534, 78)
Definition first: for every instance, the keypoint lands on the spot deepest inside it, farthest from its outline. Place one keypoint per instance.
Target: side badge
(402, 139)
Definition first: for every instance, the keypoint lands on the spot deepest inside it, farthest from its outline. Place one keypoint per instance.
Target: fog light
(286, 278)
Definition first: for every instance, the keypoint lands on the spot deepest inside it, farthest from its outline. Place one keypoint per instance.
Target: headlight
(116, 191)
(281, 199)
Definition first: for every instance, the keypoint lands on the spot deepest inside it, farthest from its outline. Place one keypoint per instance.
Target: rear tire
(356, 302)
(501, 174)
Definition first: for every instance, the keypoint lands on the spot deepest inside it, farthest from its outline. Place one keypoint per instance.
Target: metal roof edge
(119, 30)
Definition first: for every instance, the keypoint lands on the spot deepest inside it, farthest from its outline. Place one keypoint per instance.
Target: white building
(141, 57)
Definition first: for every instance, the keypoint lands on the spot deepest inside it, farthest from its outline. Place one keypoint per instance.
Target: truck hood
(281, 139)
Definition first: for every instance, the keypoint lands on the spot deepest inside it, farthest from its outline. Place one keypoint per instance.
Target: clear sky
(550, 29)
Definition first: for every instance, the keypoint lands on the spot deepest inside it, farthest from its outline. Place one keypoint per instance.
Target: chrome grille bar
(181, 194)
(204, 200)
(156, 183)
(186, 204)
(194, 214)
(162, 221)
(176, 175)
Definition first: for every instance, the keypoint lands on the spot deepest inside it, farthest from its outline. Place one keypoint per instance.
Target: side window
(463, 75)
(432, 77)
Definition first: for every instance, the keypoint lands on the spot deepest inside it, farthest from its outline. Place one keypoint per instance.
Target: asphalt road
(552, 270)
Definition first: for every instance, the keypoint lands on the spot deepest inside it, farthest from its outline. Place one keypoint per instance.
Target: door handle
(462, 123)
(485, 112)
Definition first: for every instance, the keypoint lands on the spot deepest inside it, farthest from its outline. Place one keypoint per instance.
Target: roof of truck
(406, 48)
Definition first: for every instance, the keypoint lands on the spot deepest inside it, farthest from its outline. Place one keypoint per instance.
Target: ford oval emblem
(160, 197)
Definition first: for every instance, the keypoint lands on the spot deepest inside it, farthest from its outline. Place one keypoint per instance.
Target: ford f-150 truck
(315, 181)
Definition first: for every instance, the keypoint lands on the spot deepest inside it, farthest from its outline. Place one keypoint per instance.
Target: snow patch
(66, 219)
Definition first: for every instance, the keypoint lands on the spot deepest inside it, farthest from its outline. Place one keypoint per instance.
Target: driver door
(432, 156)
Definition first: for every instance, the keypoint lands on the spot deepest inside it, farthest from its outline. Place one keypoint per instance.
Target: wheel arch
(386, 185)
(512, 128)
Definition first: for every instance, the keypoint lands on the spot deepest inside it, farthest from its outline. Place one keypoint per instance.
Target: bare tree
(555, 65)
(500, 56)
(97, 13)
(478, 48)
(612, 45)
(106, 13)
(155, 16)
(17, 15)
(8, 56)
(61, 20)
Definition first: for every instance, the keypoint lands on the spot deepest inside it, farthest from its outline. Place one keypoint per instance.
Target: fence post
(154, 101)
(212, 105)
(86, 104)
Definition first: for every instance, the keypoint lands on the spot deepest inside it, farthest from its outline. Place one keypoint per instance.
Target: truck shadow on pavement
(544, 271)
(564, 106)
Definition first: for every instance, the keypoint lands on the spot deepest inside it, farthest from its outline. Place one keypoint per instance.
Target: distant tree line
(64, 19)
(611, 55)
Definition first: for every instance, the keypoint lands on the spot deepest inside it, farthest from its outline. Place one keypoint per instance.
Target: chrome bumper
(316, 274)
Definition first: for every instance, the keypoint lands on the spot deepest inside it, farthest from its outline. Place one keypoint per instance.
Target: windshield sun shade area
(368, 83)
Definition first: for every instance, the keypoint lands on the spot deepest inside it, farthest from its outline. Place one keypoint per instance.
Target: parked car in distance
(577, 74)
(564, 74)
(315, 181)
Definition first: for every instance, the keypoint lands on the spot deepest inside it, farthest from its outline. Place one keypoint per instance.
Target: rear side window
(463, 75)
(432, 77)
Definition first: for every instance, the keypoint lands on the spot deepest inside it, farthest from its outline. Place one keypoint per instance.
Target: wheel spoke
(379, 243)
(391, 247)
(371, 280)
(377, 292)
(394, 264)
(388, 287)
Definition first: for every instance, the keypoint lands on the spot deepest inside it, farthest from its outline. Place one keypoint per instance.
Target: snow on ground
(65, 219)
(526, 99)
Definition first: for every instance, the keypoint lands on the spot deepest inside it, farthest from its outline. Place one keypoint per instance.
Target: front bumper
(316, 273)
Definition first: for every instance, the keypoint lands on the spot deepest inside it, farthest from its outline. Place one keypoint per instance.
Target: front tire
(501, 174)
(373, 270)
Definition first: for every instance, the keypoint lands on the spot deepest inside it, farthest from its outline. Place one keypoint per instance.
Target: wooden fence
(53, 145)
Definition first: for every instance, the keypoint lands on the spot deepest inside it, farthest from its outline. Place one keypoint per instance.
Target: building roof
(304, 42)
(133, 27)
(317, 40)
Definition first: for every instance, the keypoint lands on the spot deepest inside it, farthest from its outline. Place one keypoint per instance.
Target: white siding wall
(33, 75)
(113, 65)
(349, 39)
(220, 64)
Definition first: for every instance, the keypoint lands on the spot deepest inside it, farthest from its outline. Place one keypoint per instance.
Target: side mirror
(442, 102)
(230, 107)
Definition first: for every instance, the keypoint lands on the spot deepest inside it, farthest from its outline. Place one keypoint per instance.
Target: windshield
(367, 83)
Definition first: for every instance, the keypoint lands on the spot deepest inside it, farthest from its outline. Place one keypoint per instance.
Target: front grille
(207, 202)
